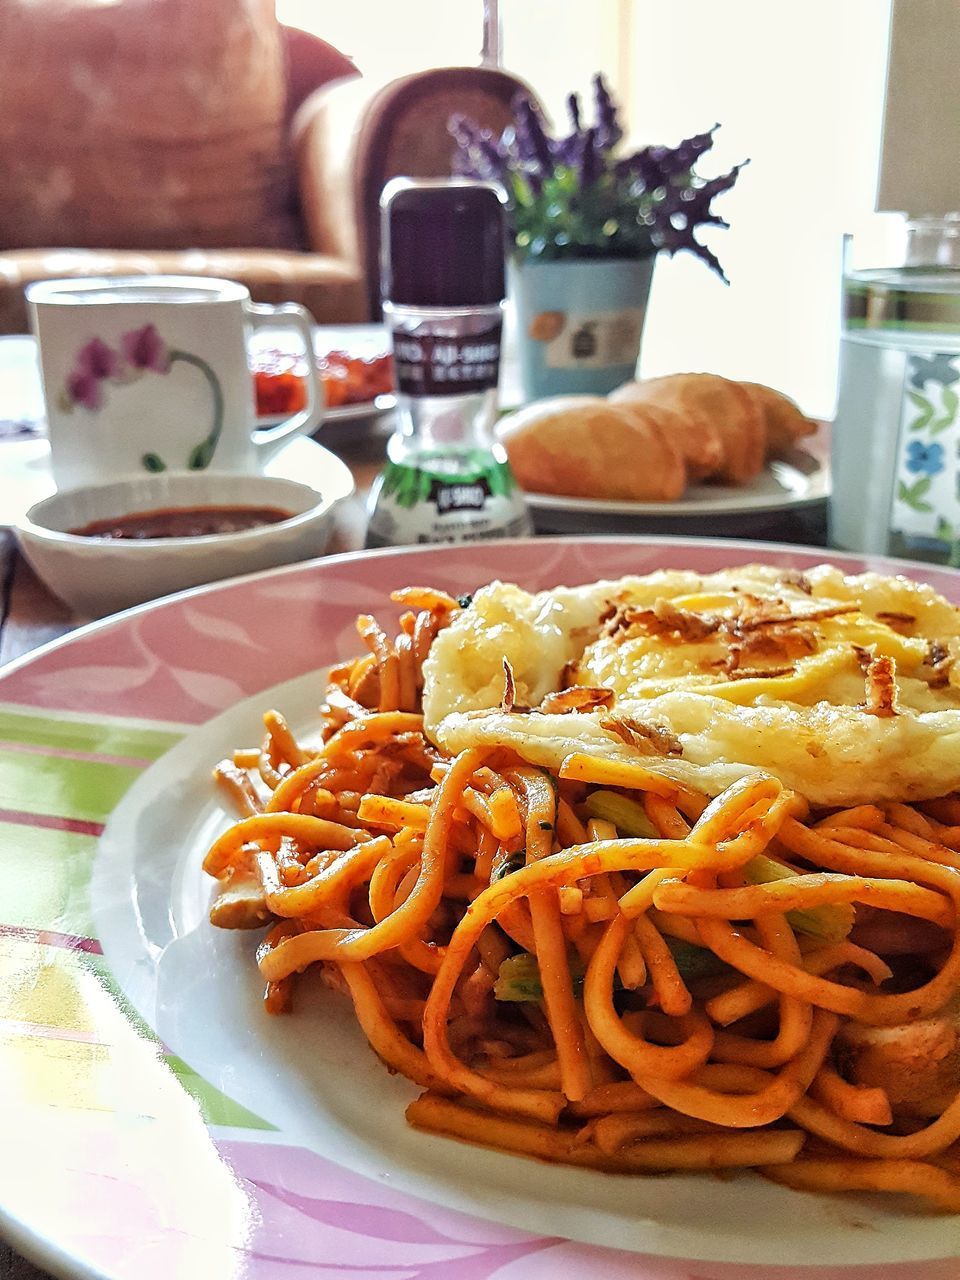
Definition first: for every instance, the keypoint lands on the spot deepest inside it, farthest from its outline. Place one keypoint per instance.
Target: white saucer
(25, 475)
(796, 482)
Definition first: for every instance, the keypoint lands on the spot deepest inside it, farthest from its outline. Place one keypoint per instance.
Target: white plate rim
(701, 500)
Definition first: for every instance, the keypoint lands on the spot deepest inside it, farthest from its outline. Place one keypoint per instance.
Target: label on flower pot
(431, 364)
(589, 340)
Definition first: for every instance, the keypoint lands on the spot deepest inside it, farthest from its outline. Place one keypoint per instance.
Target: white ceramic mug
(150, 373)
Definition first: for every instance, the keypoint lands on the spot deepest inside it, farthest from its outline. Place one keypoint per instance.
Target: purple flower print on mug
(145, 349)
(94, 363)
(141, 351)
(97, 360)
(84, 389)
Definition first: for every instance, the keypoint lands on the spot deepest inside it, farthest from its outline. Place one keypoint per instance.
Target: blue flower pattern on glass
(936, 368)
(924, 503)
(924, 459)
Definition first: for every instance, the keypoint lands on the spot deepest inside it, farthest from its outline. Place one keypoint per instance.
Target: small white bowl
(96, 576)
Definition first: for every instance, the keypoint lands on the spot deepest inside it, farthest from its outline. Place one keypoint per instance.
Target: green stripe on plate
(109, 983)
(61, 787)
(101, 736)
(46, 872)
(46, 878)
(215, 1107)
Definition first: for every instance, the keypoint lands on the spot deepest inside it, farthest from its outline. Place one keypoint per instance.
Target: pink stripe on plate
(309, 1213)
(51, 938)
(50, 821)
(14, 1026)
(65, 753)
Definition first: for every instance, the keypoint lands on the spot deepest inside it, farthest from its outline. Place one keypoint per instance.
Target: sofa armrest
(332, 291)
(325, 134)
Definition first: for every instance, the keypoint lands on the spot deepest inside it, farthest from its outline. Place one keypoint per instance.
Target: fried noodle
(633, 994)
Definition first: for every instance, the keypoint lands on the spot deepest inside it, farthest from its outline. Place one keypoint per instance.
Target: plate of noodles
(519, 909)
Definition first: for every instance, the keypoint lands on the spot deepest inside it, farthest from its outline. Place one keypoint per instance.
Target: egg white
(808, 726)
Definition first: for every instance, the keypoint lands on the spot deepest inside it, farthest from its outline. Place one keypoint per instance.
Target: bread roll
(719, 416)
(586, 447)
(785, 423)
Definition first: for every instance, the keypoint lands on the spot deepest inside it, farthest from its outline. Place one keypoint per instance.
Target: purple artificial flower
(565, 150)
(578, 195)
(655, 167)
(145, 349)
(86, 389)
(646, 167)
(478, 154)
(588, 159)
(96, 360)
(608, 129)
(532, 144)
(683, 209)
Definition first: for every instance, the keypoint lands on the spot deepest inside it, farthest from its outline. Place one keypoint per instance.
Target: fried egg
(846, 688)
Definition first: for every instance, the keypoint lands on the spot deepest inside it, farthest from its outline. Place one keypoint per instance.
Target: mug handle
(267, 440)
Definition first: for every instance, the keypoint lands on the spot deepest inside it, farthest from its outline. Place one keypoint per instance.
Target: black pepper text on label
(429, 365)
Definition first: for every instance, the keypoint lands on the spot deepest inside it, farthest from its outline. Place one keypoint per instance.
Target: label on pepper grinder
(422, 503)
(430, 365)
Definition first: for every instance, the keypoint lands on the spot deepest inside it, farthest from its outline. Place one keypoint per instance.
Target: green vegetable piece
(625, 814)
(831, 923)
(518, 980)
(507, 868)
(694, 962)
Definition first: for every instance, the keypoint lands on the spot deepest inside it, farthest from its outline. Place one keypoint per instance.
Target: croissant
(724, 433)
(586, 447)
(784, 421)
(696, 434)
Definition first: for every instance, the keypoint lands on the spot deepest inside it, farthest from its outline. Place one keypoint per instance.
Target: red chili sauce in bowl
(182, 522)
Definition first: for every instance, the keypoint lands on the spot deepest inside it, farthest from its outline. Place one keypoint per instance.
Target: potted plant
(587, 223)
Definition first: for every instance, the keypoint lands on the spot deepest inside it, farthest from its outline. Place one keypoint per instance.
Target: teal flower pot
(579, 323)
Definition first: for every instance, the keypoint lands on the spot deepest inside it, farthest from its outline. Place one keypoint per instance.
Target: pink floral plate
(156, 1123)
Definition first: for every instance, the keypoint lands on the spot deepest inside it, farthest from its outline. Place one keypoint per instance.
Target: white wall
(799, 90)
(556, 44)
(387, 38)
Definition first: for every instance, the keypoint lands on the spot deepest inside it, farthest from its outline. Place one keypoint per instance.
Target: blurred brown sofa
(180, 137)
(154, 136)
